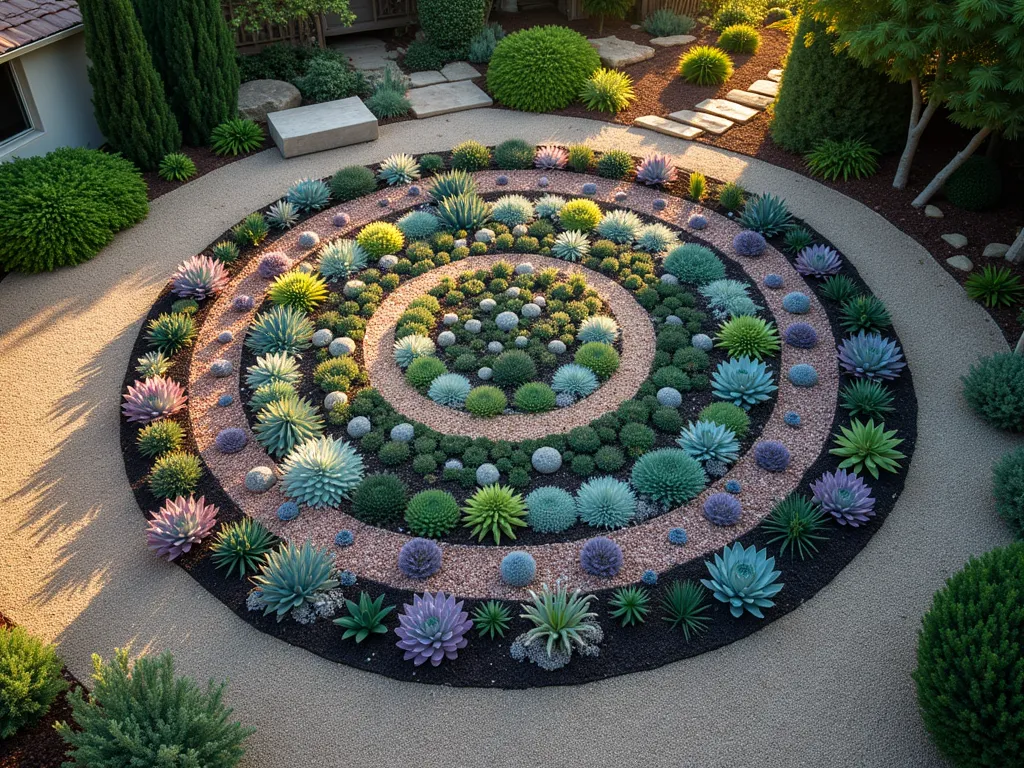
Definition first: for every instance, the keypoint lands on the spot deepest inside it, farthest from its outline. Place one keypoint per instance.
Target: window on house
(13, 116)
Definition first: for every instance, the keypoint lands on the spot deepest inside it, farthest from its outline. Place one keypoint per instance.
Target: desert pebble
(485, 374)
(334, 399)
(225, 337)
(225, 400)
(322, 338)
(358, 427)
(288, 511)
(260, 479)
(342, 346)
(221, 368)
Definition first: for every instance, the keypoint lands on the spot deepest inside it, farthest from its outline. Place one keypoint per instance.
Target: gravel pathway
(830, 678)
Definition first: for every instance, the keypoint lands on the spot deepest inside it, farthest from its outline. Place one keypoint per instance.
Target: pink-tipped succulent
(273, 264)
(199, 277)
(432, 629)
(656, 169)
(152, 399)
(179, 524)
(551, 158)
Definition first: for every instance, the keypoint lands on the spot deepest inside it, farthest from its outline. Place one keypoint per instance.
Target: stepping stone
(727, 109)
(459, 70)
(668, 127)
(317, 127)
(447, 97)
(422, 79)
(670, 40)
(620, 53)
(775, 74)
(955, 240)
(960, 262)
(748, 99)
(709, 123)
(368, 54)
(933, 212)
(995, 250)
(257, 98)
(764, 87)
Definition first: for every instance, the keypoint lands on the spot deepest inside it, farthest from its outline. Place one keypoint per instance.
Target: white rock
(933, 212)
(520, 230)
(495, 347)
(473, 326)
(530, 310)
(460, 243)
(487, 474)
(484, 235)
(556, 346)
(387, 262)
(333, 399)
(445, 339)
(323, 337)
(353, 288)
(450, 319)
(522, 342)
(540, 301)
(488, 305)
(956, 240)
(524, 268)
(513, 291)
(260, 479)
(485, 374)
(960, 262)
(342, 346)
(670, 40)
(995, 250)
(358, 427)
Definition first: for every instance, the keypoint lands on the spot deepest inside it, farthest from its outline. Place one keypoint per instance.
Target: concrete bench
(318, 127)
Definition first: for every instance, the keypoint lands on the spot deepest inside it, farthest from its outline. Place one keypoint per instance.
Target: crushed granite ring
(472, 571)
(637, 356)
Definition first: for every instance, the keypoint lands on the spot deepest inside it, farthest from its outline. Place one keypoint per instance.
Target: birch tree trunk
(959, 159)
(919, 119)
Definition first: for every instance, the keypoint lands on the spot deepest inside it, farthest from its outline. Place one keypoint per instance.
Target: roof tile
(28, 21)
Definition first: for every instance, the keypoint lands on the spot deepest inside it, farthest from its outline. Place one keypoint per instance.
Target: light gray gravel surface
(826, 685)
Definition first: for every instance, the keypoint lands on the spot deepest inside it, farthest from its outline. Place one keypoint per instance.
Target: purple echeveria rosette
(844, 496)
(432, 629)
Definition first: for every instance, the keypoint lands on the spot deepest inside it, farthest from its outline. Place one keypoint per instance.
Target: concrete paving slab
(317, 127)
(671, 40)
(423, 79)
(615, 52)
(748, 99)
(459, 70)
(447, 97)
(668, 127)
(709, 123)
(764, 87)
(727, 109)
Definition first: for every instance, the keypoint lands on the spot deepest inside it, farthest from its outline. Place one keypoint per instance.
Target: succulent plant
(549, 206)
(280, 329)
(707, 440)
(630, 604)
(801, 335)
(604, 502)
(518, 568)
(729, 298)
(695, 264)
(380, 238)
(408, 348)
(550, 158)
(309, 195)
(743, 382)
(573, 379)
(321, 472)
(159, 437)
(870, 356)
(749, 243)
(432, 513)
(656, 169)
(153, 364)
(491, 619)
(152, 399)
(419, 558)
(867, 446)
(620, 226)
(818, 261)
(179, 524)
(341, 259)
(298, 290)
(252, 230)
(602, 359)
(512, 210)
(845, 496)
(669, 476)
(401, 168)
(486, 401)
(722, 509)
(797, 523)
(273, 264)
(418, 225)
(269, 393)
(283, 424)
(743, 578)
(601, 557)
(170, 332)
(654, 238)
(241, 546)
(450, 389)
(175, 473)
(571, 245)
(864, 313)
(292, 576)
(771, 455)
(364, 618)
(432, 629)
(283, 215)
(494, 510)
(684, 606)
(551, 510)
(863, 397)
(452, 184)
(748, 336)
(199, 277)
(561, 621)
(766, 214)
(275, 367)
(467, 212)
(599, 328)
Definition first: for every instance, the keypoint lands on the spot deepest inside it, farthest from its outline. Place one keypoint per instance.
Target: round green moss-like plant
(352, 182)
(486, 401)
(579, 215)
(174, 474)
(1008, 488)
(728, 415)
(541, 68)
(432, 513)
(380, 238)
(470, 156)
(514, 154)
(380, 499)
(994, 388)
(599, 357)
(970, 662)
(615, 164)
(159, 437)
(30, 679)
(451, 24)
(534, 397)
(739, 38)
(705, 65)
(393, 453)
(423, 370)
(513, 368)
(669, 476)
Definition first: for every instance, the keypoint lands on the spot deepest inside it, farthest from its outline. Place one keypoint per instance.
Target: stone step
(317, 127)
(764, 87)
(668, 127)
(702, 120)
(727, 109)
(459, 70)
(671, 40)
(447, 97)
(423, 79)
(748, 99)
(620, 53)
(775, 74)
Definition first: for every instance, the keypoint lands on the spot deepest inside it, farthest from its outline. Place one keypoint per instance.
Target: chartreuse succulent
(159, 437)
(380, 238)
(292, 576)
(749, 336)
(241, 545)
(745, 579)
(364, 618)
(494, 510)
(300, 290)
(868, 447)
(321, 472)
(561, 621)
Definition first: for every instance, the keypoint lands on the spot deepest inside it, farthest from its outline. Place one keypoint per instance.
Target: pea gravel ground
(831, 678)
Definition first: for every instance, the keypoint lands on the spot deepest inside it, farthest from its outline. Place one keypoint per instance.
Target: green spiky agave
(321, 472)
(798, 524)
(684, 606)
(365, 618)
(153, 364)
(748, 336)
(864, 397)
(268, 393)
(401, 168)
(170, 332)
(467, 212)
(865, 313)
(745, 579)
(408, 348)
(300, 290)
(559, 619)
(241, 546)
(275, 367)
(491, 619)
(570, 246)
(766, 214)
(285, 423)
(342, 259)
(630, 605)
(283, 215)
(292, 576)
(452, 184)
(280, 329)
(867, 446)
(495, 510)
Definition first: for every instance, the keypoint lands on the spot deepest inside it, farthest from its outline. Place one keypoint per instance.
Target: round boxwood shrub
(669, 476)
(60, 209)
(976, 185)
(513, 368)
(739, 38)
(380, 499)
(599, 357)
(451, 24)
(534, 397)
(351, 182)
(432, 513)
(470, 156)
(514, 154)
(970, 662)
(423, 370)
(609, 458)
(994, 388)
(728, 415)
(705, 65)
(1008, 488)
(486, 401)
(30, 679)
(541, 68)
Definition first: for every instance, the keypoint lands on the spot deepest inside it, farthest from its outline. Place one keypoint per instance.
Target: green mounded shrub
(351, 182)
(176, 473)
(142, 714)
(486, 401)
(534, 397)
(731, 196)
(735, 13)
(60, 209)
(705, 65)
(328, 79)
(581, 158)
(514, 154)
(159, 437)
(451, 24)
(833, 159)
(432, 513)
(30, 679)
(393, 453)
(541, 68)
(424, 56)
(636, 438)
(380, 238)
(739, 38)
(599, 357)
(728, 415)
(431, 163)
(470, 156)
(976, 185)
(608, 90)
(994, 388)
(1008, 488)
(615, 164)
(423, 370)
(669, 476)
(665, 22)
(829, 96)
(970, 662)
(513, 368)
(581, 215)
(380, 499)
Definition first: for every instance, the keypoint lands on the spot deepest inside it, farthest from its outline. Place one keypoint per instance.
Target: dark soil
(486, 663)
(205, 161)
(39, 745)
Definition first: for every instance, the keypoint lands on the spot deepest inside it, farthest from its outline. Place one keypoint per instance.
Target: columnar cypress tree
(194, 52)
(128, 97)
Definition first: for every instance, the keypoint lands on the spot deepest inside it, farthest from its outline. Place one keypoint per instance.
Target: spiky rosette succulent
(743, 578)
(655, 238)
(550, 158)
(198, 277)
(292, 576)
(570, 246)
(280, 329)
(743, 382)
(870, 356)
(575, 380)
(321, 472)
(401, 168)
(275, 367)
(549, 206)
(708, 441)
(845, 496)
(179, 524)
(285, 423)
(408, 348)
(818, 261)
(153, 398)
(598, 328)
(309, 195)
(432, 629)
(342, 259)
(656, 169)
(620, 226)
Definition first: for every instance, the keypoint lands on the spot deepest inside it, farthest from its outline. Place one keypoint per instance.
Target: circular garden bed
(516, 427)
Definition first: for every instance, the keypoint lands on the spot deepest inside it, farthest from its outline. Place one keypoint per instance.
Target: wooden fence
(573, 9)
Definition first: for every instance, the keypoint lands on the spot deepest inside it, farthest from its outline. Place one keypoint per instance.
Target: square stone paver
(368, 54)
(727, 109)
(668, 127)
(669, 41)
(430, 77)
(764, 87)
(447, 97)
(748, 99)
(317, 127)
(620, 53)
(459, 70)
(709, 123)
(775, 74)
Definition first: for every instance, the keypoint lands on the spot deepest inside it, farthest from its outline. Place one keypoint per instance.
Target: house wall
(55, 80)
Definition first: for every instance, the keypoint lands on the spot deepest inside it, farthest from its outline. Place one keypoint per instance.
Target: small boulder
(342, 346)
(487, 474)
(956, 240)
(260, 479)
(334, 399)
(220, 369)
(257, 98)
(933, 212)
(358, 427)
(617, 53)
(995, 250)
(960, 262)
(323, 337)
